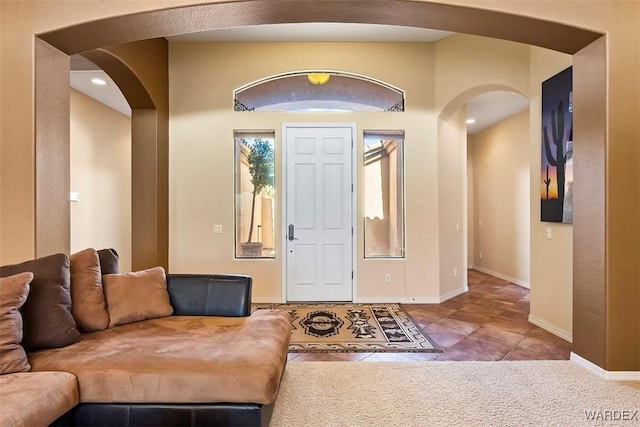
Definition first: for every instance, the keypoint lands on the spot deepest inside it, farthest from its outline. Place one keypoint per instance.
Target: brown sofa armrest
(210, 294)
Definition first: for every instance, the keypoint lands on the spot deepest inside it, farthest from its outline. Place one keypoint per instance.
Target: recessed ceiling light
(99, 82)
(470, 121)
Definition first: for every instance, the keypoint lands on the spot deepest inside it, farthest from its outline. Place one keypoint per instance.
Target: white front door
(318, 218)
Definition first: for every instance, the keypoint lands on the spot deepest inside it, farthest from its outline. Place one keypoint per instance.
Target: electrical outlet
(480, 255)
(455, 272)
(217, 229)
(387, 278)
(549, 233)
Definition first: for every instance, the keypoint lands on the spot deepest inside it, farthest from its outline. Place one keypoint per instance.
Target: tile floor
(487, 323)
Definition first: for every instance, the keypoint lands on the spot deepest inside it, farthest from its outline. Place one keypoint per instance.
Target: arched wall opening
(458, 101)
(509, 194)
(592, 316)
(102, 147)
(149, 142)
(140, 71)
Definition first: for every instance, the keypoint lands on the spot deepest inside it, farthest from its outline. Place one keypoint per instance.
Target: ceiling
(108, 94)
(487, 109)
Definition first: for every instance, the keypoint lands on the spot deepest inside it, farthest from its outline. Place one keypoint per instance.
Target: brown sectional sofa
(210, 362)
(36, 398)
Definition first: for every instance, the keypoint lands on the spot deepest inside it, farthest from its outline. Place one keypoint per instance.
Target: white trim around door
(288, 245)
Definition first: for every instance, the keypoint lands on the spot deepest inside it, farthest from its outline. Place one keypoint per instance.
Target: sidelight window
(384, 194)
(254, 201)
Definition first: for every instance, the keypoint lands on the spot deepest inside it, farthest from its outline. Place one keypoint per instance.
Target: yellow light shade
(318, 78)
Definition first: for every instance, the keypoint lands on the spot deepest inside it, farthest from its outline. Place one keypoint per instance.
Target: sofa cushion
(136, 296)
(88, 305)
(46, 316)
(36, 398)
(13, 294)
(179, 359)
(109, 261)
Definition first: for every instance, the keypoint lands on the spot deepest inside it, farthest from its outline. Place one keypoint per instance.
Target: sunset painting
(556, 172)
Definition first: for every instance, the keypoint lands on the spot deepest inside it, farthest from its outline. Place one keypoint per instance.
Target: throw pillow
(88, 306)
(109, 261)
(13, 294)
(132, 297)
(46, 316)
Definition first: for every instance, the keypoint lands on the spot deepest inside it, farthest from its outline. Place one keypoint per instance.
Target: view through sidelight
(255, 190)
(384, 194)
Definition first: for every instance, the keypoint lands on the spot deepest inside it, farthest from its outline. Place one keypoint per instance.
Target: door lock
(291, 233)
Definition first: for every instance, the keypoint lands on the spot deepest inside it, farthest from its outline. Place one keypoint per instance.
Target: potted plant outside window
(260, 160)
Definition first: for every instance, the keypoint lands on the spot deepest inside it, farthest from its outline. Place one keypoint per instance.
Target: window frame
(238, 136)
(399, 137)
(243, 105)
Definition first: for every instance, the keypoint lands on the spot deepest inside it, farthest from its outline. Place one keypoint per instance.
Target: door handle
(291, 233)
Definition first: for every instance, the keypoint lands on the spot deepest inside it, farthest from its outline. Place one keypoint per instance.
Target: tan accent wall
(501, 200)
(590, 207)
(100, 161)
(618, 266)
(51, 150)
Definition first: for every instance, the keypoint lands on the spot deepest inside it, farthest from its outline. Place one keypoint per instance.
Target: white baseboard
(503, 277)
(413, 300)
(398, 300)
(454, 293)
(562, 333)
(607, 375)
(383, 300)
(259, 300)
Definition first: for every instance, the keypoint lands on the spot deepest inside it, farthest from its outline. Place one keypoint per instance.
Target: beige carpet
(531, 393)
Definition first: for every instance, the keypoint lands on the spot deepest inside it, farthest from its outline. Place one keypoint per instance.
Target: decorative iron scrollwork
(239, 106)
(398, 107)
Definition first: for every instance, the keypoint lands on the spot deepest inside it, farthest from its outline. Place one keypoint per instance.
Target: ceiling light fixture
(470, 121)
(318, 78)
(99, 82)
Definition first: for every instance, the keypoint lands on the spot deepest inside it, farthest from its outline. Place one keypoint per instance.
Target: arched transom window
(317, 91)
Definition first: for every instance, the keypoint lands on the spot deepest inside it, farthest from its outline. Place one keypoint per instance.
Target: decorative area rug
(353, 328)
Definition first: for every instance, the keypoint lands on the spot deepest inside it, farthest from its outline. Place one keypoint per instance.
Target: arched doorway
(502, 201)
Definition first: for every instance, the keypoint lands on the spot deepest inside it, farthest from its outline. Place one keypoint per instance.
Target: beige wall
(101, 173)
(551, 260)
(470, 207)
(469, 65)
(452, 170)
(500, 156)
(201, 130)
(201, 151)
